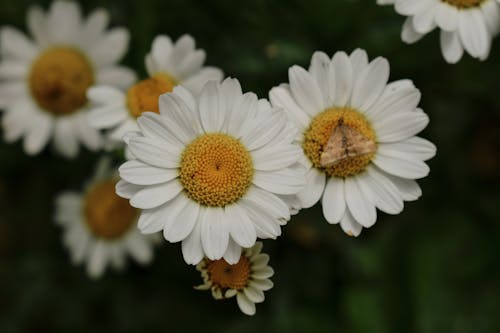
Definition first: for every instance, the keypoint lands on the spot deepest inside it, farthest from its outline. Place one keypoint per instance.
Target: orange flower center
(106, 214)
(320, 131)
(226, 276)
(216, 170)
(59, 79)
(143, 96)
(464, 3)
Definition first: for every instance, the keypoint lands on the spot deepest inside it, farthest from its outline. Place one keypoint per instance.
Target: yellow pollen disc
(59, 79)
(143, 96)
(464, 3)
(320, 130)
(106, 214)
(216, 170)
(226, 276)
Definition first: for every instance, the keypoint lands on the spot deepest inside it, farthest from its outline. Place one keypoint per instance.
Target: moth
(345, 142)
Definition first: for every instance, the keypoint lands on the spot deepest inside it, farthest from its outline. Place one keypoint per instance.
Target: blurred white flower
(168, 64)
(468, 25)
(100, 228)
(44, 81)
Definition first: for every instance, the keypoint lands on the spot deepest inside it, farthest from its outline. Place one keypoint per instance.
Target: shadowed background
(433, 268)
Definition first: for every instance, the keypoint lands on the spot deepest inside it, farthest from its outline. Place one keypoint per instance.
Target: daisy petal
(313, 190)
(240, 226)
(155, 195)
(333, 201)
(214, 231)
(139, 173)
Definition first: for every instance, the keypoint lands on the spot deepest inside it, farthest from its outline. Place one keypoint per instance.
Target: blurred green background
(433, 268)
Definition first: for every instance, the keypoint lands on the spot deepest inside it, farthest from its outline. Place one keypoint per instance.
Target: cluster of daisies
(207, 164)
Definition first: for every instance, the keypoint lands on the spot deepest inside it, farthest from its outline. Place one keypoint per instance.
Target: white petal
(315, 184)
(447, 17)
(16, 45)
(107, 116)
(402, 166)
(233, 253)
(155, 195)
(400, 126)
(473, 33)
(214, 231)
(359, 60)
(370, 84)
(334, 202)
(408, 34)
(212, 108)
(276, 157)
(424, 21)
(322, 72)
(451, 47)
(154, 152)
(139, 248)
(414, 147)
(126, 190)
(117, 76)
(183, 121)
(305, 90)
(192, 250)
(344, 79)
(240, 226)
(64, 137)
(196, 82)
(263, 131)
(110, 48)
(281, 97)
(94, 27)
(97, 260)
(350, 226)
(246, 306)
(285, 181)
(359, 204)
(268, 202)
(136, 172)
(37, 24)
(64, 22)
(254, 295)
(184, 223)
(39, 134)
(386, 195)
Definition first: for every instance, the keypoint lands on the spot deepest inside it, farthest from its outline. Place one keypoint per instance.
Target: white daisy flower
(358, 137)
(100, 227)
(466, 25)
(247, 279)
(168, 65)
(44, 81)
(214, 172)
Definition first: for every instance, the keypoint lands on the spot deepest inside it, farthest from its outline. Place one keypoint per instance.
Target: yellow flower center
(106, 214)
(143, 96)
(59, 79)
(320, 131)
(464, 3)
(216, 170)
(226, 276)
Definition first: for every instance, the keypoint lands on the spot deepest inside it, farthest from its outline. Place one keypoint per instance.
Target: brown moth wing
(343, 143)
(334, 149)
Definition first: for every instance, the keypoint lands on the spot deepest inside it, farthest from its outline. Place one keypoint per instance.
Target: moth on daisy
(466, 25)
(168, 64)
(100, 228)
(247, 279)
(214, 172)
(44, 81)
(357, 135)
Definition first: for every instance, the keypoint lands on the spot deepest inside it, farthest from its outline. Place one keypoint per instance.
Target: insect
(345, 142)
